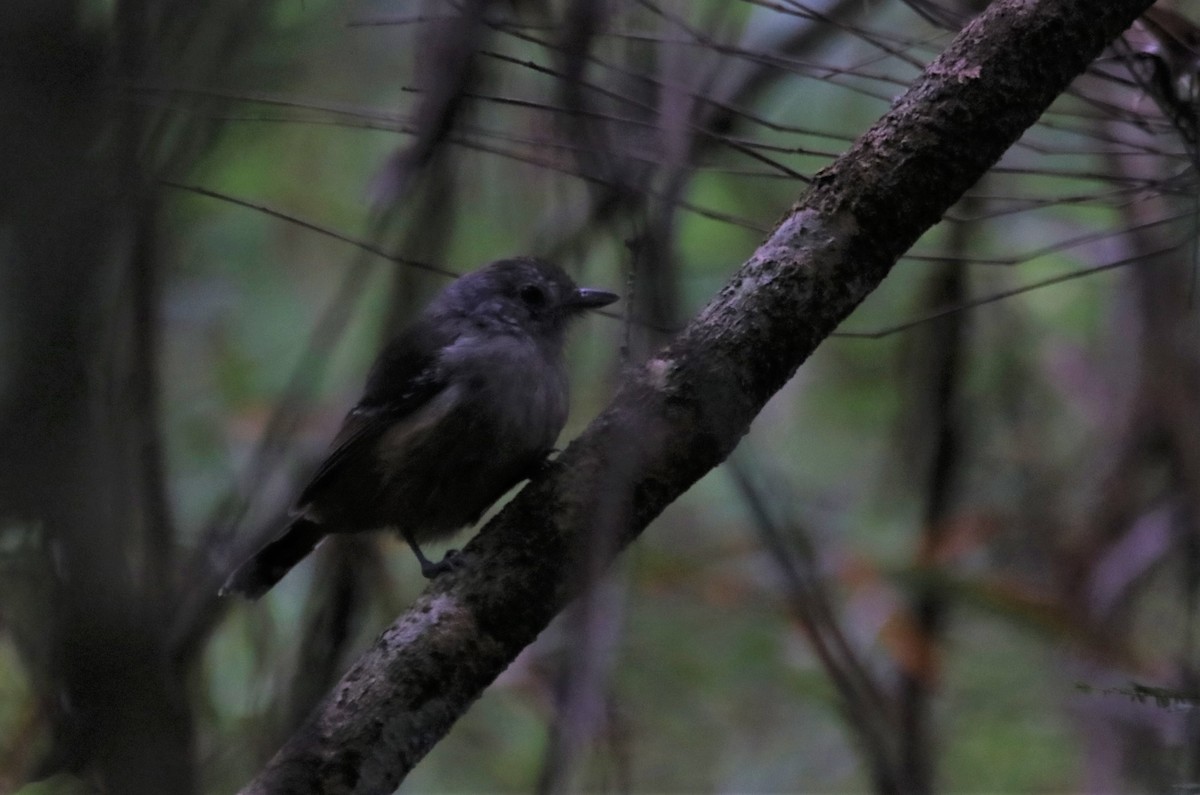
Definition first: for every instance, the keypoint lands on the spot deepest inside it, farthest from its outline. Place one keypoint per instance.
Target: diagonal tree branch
(679, 416)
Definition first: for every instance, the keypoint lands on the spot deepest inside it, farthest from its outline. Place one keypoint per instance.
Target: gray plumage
(462, 405)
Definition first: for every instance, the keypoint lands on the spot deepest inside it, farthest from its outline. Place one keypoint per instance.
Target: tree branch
(684, 411)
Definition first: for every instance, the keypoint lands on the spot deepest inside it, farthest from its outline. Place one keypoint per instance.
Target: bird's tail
(268, 565)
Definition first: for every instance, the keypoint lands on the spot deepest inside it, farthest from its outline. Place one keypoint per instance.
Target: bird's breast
(523, 389)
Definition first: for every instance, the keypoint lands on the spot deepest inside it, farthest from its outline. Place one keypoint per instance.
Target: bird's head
(523, 293)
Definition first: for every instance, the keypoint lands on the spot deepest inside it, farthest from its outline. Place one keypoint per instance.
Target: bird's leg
(429, 569)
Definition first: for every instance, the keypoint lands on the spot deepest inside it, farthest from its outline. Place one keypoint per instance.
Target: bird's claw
(543, 464)
(450, 561)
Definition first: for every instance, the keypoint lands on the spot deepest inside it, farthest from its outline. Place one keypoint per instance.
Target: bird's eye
(533, 296)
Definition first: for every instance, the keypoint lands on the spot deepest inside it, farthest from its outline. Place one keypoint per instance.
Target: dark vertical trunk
(82, 468)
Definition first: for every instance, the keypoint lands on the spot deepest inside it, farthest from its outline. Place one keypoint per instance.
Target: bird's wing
(405, 377)
(358, 433)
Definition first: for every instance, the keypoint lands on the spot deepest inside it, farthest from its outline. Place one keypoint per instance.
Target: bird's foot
(450, 561)
(543, 464)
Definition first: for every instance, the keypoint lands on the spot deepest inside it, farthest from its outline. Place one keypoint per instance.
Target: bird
(463, 404)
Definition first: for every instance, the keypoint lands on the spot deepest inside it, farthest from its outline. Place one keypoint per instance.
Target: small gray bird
(462, 405)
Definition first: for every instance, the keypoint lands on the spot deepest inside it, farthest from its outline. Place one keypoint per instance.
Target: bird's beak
(587, 298)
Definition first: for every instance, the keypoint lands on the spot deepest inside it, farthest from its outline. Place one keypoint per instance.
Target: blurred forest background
(959, 552)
